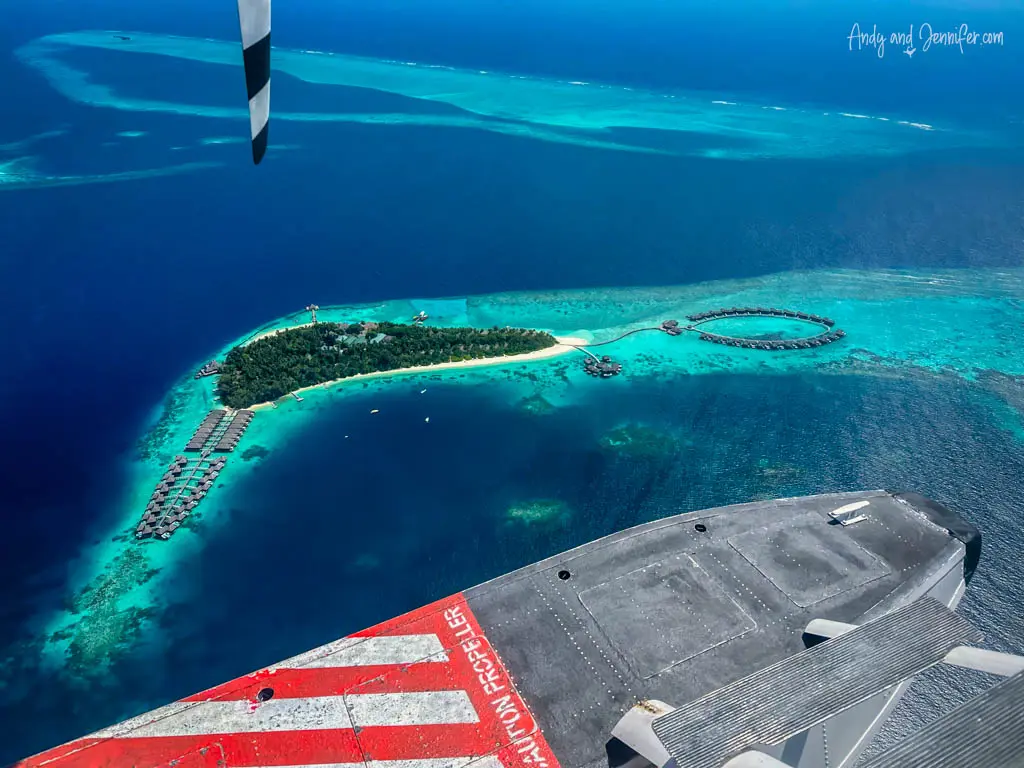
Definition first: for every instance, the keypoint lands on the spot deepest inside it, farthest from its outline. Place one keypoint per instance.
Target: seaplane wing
(697, 640)
(424, 690)
(254, 19)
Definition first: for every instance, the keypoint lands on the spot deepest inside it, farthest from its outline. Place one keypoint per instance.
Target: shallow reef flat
(961, 324)
(591, 114)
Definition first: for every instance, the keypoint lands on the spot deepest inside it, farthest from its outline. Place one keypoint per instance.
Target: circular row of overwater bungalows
(775, 344)
(760, 312)
(175, 497)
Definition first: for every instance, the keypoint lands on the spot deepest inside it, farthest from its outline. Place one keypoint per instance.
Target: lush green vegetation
(281, 363)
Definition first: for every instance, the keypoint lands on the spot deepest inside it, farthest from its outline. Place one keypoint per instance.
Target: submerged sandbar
(597, 115)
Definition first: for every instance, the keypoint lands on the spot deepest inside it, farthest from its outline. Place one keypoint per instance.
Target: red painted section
(505, 728)
(240, 749)
(490, 687)
(301, 683)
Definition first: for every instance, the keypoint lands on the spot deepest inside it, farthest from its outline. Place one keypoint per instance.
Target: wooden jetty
(189, 478)
(179, 492)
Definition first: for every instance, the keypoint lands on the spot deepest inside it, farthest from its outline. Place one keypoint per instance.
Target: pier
(236, 428)
(219, 431)
(182, 487)
(209, 369)
(605, 368)
(718, 314)
(188, 479)
(774, 344)
(828, 334)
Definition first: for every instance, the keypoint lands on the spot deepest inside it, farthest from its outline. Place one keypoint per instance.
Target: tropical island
(119, 596)
(289, 360)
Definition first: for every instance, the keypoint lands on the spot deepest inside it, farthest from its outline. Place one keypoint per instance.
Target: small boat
(375, 410)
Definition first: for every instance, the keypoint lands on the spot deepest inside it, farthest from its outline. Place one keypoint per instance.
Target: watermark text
(922, 38)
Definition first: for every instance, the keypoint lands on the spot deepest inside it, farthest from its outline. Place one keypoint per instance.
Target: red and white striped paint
(424, 690)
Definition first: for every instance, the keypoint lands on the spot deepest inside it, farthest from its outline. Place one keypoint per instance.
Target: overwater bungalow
(209, 369)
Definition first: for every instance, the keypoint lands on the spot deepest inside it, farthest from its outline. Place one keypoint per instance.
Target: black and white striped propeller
(254, 19)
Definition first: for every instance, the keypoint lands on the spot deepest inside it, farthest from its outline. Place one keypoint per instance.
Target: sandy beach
(273, 332)
(565, 344)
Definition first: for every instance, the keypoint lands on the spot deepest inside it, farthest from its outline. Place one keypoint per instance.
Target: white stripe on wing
(370, 651)
(307, 714)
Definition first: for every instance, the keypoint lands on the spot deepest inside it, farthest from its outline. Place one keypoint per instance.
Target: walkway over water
(718, 314)
(774, 345)
(188, 479)
(826, 335)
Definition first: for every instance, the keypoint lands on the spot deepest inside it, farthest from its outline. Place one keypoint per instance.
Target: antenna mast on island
(312, 308)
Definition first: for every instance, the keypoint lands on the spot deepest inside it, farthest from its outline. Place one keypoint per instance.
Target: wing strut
(254, 19)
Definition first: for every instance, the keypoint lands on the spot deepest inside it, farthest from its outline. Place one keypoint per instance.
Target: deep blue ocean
(109, 293)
